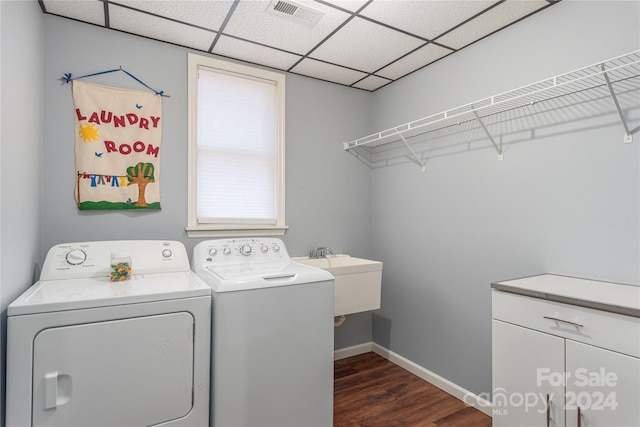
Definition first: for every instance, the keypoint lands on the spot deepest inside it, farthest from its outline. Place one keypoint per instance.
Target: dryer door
(130, 372)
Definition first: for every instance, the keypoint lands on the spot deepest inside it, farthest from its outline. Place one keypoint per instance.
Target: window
(236, 149)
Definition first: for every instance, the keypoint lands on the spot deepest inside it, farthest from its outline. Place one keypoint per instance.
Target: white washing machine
(272, 344)
(85, 351)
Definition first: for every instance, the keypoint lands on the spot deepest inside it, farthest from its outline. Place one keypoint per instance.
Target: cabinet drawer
(599, 328)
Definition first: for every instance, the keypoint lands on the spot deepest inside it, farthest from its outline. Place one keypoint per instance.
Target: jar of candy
(120, 266)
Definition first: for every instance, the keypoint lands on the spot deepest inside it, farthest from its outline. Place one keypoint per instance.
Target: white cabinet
(565, 363)
(518, 397)
(605, 388)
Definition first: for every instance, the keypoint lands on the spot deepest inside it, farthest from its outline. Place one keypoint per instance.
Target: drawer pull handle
(557, 319)
(548, 410)
(579, 417)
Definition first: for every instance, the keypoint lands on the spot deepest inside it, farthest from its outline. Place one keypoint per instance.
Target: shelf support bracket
(498, 149)
(413, 153)
(628, 138)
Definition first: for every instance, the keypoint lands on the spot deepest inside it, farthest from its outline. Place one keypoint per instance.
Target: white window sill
(234, 231)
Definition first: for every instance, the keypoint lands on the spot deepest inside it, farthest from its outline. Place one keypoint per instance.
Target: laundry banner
(117, 147)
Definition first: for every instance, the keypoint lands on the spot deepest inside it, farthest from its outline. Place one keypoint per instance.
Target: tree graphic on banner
(140, 175)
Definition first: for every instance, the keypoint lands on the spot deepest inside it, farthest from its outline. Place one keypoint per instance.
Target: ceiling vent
(295, 12)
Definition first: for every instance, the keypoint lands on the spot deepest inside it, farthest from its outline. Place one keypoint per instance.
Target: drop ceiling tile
(250, 52)
(329, 72)
(494, 19)
(365, 46)
(158, 28)
(252, 21)
(90, 11)
(352, 5)
(207, 14)
(340, 42)
(371, 83)
(427, 19)
(421, 57)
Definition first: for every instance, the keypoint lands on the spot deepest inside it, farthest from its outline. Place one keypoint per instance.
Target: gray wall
(328, 192)
(21, 162)
(566, 202)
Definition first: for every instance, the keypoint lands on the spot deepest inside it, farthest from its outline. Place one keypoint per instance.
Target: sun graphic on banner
(89, 133)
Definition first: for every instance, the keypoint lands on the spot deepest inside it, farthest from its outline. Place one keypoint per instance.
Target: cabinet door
(603, 385)
(528, 377)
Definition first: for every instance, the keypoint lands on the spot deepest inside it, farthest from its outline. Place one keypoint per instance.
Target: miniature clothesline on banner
(67, 78)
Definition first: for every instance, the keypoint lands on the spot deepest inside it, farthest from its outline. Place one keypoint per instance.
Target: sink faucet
(320, 252)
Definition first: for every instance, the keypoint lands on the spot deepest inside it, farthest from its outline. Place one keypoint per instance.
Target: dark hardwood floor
(370, 391)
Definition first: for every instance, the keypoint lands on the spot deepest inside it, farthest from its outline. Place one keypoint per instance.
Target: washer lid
(246, 271)
(74, 294)
(227, 278)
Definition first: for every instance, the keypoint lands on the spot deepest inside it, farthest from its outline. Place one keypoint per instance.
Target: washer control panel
(92, 259)
(240, 251)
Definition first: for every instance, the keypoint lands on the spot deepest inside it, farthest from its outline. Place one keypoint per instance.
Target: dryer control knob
(245, 250)
(213, 251)
(76, 257)
(264, 249)
(226, 251)
(167, 253)
(276, 248)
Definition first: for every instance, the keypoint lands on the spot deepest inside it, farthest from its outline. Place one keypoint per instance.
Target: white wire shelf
(614, 79)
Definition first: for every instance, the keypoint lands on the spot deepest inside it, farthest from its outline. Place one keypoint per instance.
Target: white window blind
(236, 150)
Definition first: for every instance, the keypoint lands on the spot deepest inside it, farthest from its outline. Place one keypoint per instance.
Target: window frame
(242, 228)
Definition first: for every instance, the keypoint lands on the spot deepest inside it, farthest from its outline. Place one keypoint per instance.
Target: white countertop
(613, 297)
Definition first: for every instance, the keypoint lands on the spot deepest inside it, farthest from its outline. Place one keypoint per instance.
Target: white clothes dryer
(85, 351)
(272, 345)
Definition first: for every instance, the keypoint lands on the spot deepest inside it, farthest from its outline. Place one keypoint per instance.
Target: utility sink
(358, 281)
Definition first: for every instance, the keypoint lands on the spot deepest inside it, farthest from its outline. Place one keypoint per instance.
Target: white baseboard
(355, 350)
(443, 384)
